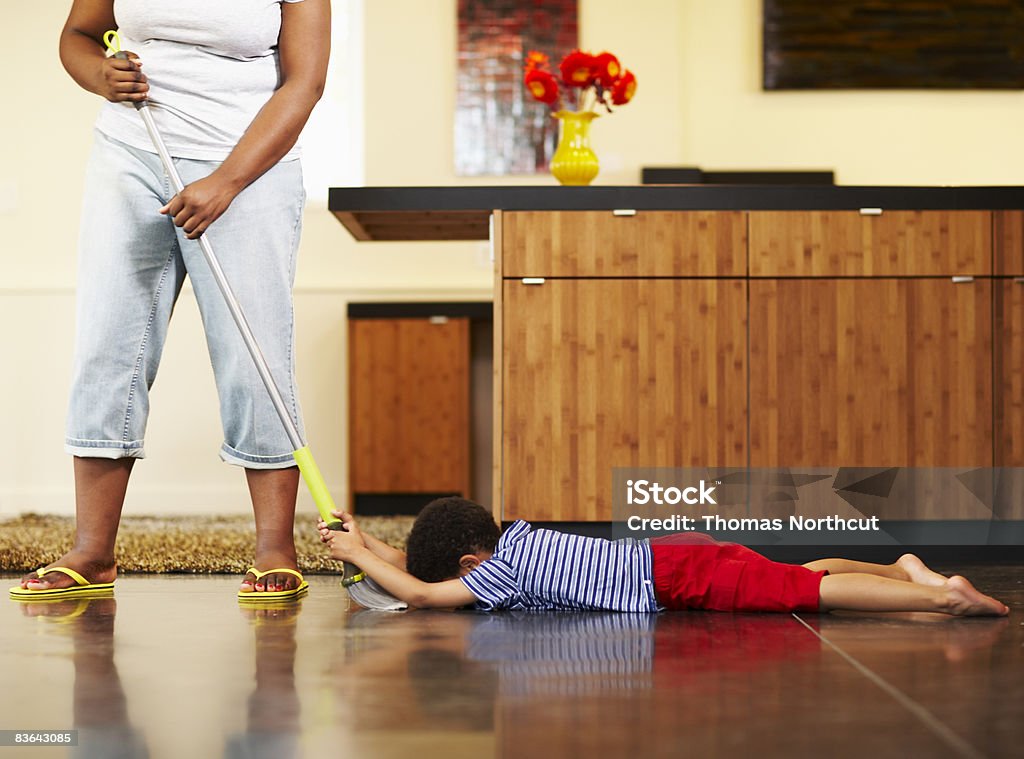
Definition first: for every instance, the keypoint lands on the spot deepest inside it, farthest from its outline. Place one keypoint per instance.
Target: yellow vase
(574, 163)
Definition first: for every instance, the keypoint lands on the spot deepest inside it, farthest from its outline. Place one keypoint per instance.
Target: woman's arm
(84, 55)
(304, 46)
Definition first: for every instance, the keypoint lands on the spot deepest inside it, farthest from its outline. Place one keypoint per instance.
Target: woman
(231, 86)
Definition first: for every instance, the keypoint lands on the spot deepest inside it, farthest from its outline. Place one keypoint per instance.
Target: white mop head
(368, 594)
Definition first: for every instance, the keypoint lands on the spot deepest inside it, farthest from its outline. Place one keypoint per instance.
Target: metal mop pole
(303, 456)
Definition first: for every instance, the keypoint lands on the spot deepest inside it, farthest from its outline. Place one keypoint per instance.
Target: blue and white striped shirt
(544, 569)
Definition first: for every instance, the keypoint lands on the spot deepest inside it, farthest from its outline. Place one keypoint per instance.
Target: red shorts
(694, 571)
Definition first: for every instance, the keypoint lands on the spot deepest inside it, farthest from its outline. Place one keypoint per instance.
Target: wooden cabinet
(409, 406)
(850, 243)
(616, 373)
(870, 373)
(831, 339)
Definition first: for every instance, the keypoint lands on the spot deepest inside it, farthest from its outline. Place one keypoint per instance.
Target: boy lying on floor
(457, 556)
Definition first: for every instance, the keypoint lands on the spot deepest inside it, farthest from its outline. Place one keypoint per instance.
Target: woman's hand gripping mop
(362, 589)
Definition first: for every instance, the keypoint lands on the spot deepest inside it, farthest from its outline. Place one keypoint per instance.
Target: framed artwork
(499, 128)
(872, 44)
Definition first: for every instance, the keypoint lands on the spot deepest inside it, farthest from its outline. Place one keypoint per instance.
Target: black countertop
(461, 213)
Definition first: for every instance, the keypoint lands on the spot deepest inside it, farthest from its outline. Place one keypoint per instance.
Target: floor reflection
(581, 682)
(409, 672)
(99, 705)
(195, 675)
(273, 707)
(630, 683)
(910, 635)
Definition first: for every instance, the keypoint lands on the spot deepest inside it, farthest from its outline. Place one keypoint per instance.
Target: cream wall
(868, 137)
(699, 103)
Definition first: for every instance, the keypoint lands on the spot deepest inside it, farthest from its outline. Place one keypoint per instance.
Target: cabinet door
(870, 373)
(610, 373)
(847, 243)
(409, 406)
(1008, 350)
(1009, 372)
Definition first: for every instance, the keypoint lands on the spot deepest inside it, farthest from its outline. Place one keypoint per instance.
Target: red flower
(578, 69)
(606, 69)
(624, 88)
(536, 60)
(542, 85)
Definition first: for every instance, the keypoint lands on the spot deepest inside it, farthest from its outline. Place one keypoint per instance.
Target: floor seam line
(933, 723)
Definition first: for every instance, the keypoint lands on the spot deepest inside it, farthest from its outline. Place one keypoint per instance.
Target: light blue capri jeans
(132, 263)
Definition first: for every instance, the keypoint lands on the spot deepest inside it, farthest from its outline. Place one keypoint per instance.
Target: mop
(361, 588)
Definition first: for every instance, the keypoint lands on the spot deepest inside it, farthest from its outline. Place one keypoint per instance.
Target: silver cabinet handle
(870, 211)
(533, 280)
(962, 280)
(1019, 280)
(624, 212)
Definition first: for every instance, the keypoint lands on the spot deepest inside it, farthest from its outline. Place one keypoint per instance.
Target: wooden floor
(173, 667)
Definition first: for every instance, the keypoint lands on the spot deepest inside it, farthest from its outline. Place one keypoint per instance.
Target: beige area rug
(178, 544)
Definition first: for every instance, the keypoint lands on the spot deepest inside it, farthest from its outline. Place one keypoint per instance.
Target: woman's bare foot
(93, 568)
(918, 572)
(964, 600)
(273, 582)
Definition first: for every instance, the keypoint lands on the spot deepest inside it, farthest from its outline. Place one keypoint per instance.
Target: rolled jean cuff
(253, 461)
(105, 449)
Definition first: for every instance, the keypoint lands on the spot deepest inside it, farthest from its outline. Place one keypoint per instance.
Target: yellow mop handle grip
(317, 486)
(113, 41)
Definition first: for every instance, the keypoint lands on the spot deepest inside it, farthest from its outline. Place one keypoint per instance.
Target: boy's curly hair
(446, 530)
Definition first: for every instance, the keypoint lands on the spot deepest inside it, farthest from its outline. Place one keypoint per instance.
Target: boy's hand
(347, 520)
(342, 544)
(345, 545)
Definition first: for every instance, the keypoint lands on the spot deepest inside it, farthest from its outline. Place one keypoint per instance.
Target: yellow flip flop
(260, 596)
(82, 589)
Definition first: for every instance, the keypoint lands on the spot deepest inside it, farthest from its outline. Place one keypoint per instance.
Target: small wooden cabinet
(409, 408)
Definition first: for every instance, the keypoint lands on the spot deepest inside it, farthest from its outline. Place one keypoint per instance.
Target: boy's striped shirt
(544, 569)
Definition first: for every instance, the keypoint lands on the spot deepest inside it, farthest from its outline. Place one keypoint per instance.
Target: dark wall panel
(869, 44)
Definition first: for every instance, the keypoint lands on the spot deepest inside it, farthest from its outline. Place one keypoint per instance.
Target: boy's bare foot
(918, 572)
(271, 560)
(967, 601)
(92, 568)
